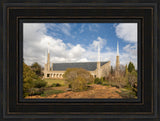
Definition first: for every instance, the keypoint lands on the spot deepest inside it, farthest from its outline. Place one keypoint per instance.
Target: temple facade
(97, 69)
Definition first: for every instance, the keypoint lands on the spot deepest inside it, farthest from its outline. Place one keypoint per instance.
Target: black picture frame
(13, 13)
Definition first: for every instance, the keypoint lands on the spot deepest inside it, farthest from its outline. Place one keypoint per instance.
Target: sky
(78, 42)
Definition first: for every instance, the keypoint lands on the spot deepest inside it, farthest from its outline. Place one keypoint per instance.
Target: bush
(98, 81)
(78, 78)
(72, 73)
(55, 85)
(31, 81)
(36, 68)
(79, 84)
(40, 83)
(118, 82)
(36, 91)
(127, 93)
(51, 92)
(132, 78)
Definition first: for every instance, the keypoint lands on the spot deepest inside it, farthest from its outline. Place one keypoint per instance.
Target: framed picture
(83, 65)
(91, 60)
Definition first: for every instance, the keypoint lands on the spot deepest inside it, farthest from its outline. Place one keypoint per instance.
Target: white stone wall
(104, 71)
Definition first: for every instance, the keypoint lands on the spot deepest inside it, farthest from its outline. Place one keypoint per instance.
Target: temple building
(97, 69)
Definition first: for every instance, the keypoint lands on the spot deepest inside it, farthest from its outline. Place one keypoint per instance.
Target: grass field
(55, 81)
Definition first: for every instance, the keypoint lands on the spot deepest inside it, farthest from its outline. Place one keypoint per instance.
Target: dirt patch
(95, 91)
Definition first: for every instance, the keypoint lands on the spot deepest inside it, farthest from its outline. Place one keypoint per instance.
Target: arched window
(60, 75)
(48, 75)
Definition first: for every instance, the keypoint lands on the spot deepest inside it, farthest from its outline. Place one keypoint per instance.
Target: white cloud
(36, 44)
(127, 32)
(100, 41)
(131, 49)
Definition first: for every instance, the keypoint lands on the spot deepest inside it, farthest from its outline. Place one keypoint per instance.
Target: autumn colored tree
(78, 76)
(79, 84)
(30, 80)
(36, 68)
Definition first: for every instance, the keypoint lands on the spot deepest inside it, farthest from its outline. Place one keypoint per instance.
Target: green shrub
(31, 81)
(70, 85)
(51, 92)
(40, 83)
(55, 85)
(98, 81)
(132, 78)
(131, 67)
(79, 84)
(36, 91)
(72, 73)
(127, 93)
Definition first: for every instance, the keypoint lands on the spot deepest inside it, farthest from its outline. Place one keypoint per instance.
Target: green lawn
(51, 92)
(55, 81)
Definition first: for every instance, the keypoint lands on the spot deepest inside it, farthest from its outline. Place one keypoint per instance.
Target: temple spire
(117, 49)
(48, 59)
(99, 52)
(98, 63)
(117, 59)
(48, 47)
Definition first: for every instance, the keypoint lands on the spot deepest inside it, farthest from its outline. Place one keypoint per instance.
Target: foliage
(126, 70)
(36, 91)
(131, 67)
(39, 83)
(112, 71)
(79, 84)
(51, 92)
(36, 68)
(127, 93)
(31, 81)
(118, 81)
(78, 76)
(55, 81)
(98, 80)
(56, 85)
(132, 78)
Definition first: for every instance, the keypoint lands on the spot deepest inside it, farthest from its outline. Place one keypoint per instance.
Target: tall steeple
(117, 49)
(98, 62)
(48, 59)
(117, 57)
(99, 52)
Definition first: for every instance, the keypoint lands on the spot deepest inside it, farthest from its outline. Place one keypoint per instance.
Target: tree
(131, 67)
(30, 81)
(36, 68)
(112, 71)
(72, 73)
(126, 70)
(78, 76)
(79, 84)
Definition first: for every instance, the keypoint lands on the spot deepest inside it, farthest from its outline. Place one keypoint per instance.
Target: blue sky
(77, 42)
(85, 33)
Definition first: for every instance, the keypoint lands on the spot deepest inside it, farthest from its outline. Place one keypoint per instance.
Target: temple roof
(90, 66)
